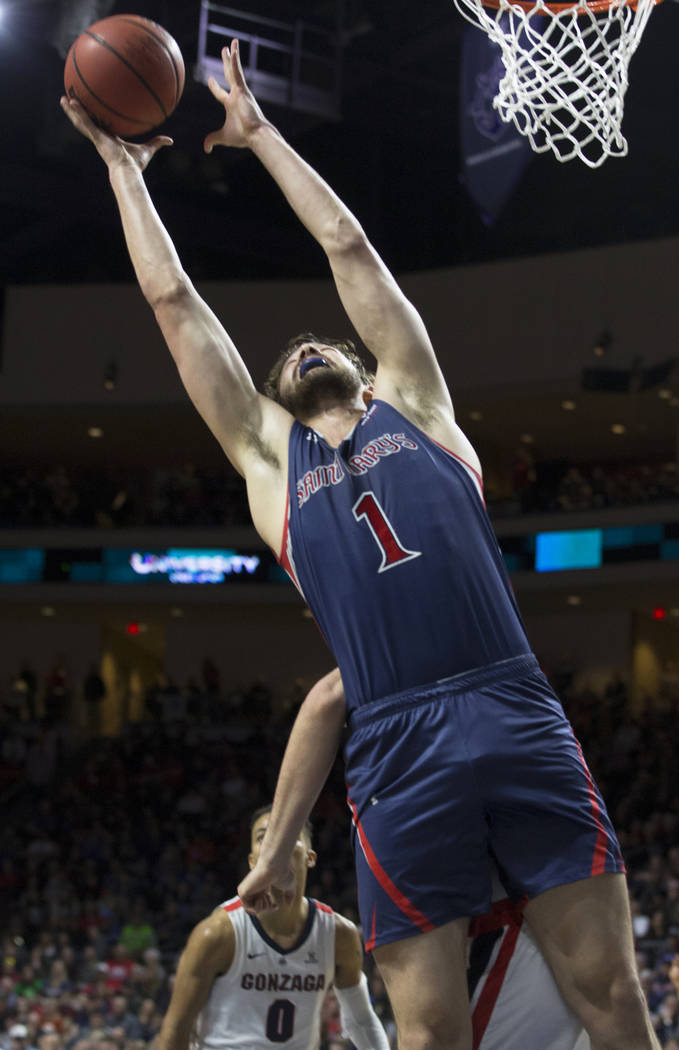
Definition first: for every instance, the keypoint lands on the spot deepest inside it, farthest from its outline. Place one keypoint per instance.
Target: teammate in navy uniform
(371, 496)
(246, 982)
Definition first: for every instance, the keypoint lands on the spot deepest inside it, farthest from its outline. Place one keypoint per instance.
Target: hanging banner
(494, 154)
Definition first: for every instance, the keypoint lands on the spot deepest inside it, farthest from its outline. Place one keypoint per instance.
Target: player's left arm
(408, 374)
(308, 759)
(359, 1020)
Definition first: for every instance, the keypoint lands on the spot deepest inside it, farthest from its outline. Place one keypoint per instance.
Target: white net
(566, 71)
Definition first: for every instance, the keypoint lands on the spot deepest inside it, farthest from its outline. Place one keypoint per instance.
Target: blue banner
(494, 154)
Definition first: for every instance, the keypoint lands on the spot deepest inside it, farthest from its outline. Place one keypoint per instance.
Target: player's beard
(319, 385)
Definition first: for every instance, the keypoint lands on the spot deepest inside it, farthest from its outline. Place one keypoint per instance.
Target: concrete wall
(521, 322)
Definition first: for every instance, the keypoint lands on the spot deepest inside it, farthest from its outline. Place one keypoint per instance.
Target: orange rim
(595, 6)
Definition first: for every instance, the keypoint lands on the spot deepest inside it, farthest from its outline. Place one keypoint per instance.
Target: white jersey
(270, 995)
(515, 1002)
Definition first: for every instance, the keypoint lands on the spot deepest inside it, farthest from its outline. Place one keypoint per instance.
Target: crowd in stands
(182, 496)
(116, 847)
(536, 487)
(188, 496)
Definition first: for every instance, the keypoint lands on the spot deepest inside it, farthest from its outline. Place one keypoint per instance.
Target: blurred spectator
(57, 692)
(94, 692)
(137, 934)
(120, 1016)
(118, 968)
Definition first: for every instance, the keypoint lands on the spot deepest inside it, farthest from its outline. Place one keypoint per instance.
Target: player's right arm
(308, 759)
(252, 430)
(208, 954)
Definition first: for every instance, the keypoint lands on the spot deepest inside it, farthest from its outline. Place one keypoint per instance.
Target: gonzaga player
(245, 983)
(371, 496)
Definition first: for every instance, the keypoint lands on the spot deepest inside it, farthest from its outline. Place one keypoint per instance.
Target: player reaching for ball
(371, 496)
(245, 982)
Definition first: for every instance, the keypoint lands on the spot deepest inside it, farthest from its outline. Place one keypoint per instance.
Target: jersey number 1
(392, 550)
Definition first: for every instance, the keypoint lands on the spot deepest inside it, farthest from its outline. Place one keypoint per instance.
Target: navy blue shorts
(440, 778)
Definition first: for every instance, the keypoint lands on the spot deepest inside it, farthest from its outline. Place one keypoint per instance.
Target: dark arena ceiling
(392, 152)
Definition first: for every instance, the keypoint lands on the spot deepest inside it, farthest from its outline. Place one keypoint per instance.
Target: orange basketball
(128, 73)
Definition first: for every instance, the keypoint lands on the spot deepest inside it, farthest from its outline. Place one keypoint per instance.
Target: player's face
(315, 372)
(303, 857)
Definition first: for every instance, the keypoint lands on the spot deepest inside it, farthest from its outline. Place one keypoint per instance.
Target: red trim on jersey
(399, 899)
(502, 913)
(599, 857)
(493, 983)
(234, 906)
(370, 943)
(283, 559)
(467, 465)
(323, 907)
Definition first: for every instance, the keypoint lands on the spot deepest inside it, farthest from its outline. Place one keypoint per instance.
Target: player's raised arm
(386, 321)
(308, 758)
(249, 427)
(208, 953)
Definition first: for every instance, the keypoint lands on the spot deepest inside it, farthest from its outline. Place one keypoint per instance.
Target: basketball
(128, 73)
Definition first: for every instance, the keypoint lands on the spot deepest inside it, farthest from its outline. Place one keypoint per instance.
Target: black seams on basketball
(128, 73)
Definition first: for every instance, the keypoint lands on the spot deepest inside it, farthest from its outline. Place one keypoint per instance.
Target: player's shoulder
(217, 928)
(347, 936)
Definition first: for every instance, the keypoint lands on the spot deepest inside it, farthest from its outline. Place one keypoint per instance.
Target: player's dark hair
(345, 346)
(308, 827)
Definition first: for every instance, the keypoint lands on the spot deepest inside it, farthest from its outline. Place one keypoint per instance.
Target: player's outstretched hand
(264, 890)
(111, 149)
(243, 115)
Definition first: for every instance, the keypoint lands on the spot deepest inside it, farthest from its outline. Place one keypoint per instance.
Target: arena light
(659, 613)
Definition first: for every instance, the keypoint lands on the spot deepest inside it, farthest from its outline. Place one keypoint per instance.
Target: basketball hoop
(566, 70)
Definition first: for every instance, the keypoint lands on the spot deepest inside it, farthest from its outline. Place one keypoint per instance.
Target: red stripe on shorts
(493, 983)
(503, 913)
(399, 899)
(599, 858)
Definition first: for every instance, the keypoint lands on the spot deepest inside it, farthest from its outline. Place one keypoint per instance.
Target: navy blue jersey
(389, 542)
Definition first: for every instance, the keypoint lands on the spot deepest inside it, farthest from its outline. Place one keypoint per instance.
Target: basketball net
(566, 70)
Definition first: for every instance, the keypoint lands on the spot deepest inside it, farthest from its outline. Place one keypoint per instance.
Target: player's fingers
(217, 90)
(159, 141)
(213, 139)
(79, 117)
(73, 110)
(237, 68)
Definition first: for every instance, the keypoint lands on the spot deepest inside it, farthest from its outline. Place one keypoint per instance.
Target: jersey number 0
(280, 1021)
